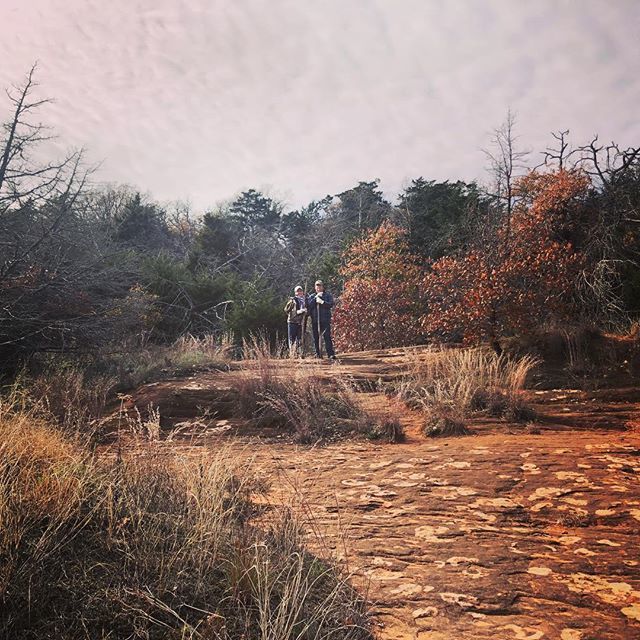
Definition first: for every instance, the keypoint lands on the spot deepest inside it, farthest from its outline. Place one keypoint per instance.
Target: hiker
(296, 310)
(319, 306)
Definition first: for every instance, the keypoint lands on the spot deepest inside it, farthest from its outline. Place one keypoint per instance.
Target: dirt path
(506, 534)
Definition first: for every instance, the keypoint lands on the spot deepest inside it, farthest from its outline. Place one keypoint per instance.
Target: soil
(516, 532)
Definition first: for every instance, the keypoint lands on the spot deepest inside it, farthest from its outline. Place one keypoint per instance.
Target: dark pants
(295, 334)
(325, 330)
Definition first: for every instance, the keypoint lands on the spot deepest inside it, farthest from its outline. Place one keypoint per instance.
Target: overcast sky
(199, 99)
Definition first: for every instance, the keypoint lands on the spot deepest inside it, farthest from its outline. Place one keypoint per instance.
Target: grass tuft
(273, 391)
(450, 385)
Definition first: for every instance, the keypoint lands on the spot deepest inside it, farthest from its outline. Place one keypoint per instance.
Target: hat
(298, 288)
(319, 282)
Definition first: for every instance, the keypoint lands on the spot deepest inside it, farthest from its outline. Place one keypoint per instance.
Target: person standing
(296, 310)
(319, 305)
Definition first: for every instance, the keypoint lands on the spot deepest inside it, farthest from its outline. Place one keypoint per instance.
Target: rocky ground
(515, 532)
(490, 536)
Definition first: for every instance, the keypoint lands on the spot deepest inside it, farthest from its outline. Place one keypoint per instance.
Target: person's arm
(311, 303)
(328, 300)
(288, 306)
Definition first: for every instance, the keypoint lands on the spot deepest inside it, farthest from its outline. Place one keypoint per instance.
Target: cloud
(200, 99)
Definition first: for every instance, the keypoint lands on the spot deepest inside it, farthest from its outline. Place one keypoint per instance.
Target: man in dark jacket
(319, 305)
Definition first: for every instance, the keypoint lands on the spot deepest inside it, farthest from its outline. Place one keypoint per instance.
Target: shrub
(153, 546)
(381, 304)
(255, 308)
(525, 275)
(449, 385)
(271, 391)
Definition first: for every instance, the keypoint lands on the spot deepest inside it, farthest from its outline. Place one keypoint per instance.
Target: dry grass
(75, 394)
(69, 395)
(184, 355)
(258, 347)
(262, 374)
(449, 385)
(132, 365)
(301, 402)
(313, 411)
(581, 357)
(152, 546)
(276, 391)
(207, 348)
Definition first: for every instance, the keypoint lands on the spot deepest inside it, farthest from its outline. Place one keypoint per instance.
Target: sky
(199, 99)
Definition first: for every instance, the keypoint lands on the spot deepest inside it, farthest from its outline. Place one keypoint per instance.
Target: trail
(514, 533)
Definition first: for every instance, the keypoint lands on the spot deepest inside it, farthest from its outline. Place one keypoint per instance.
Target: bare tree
(606, 163)
(26, 184)
(613, 219)
(506, 163)
(559, 155)
(22, 179)
(60, 286)
(183, 226)
(615, 172)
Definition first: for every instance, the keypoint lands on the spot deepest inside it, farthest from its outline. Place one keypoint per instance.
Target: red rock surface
(514, 533)
(492, 536)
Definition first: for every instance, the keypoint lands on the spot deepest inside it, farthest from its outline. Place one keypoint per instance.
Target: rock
(423, 613)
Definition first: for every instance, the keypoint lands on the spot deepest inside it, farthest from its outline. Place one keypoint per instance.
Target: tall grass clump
(69, 394)
(315, 411)
(262, 373)
(272, 391)
(152, 546)
(450, 385)
(144, 364)
(189, 350)
(259, 347)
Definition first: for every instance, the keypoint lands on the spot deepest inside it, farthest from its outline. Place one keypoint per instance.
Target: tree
(439, 215)
(256, 309)
(361, 207)
(254, 210)
(218, 240)
(610, 237)
(506, 165)
(22, 180)
(381, 303)
(485, 295)
(186, 301)
(611, 281)
(141, 225)
(63, 286)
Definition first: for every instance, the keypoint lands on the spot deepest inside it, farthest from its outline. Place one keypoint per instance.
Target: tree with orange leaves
(523, 278)
(381, 304)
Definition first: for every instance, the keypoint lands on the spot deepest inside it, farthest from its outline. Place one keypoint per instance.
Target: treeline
(83, 269)
(555, 260)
